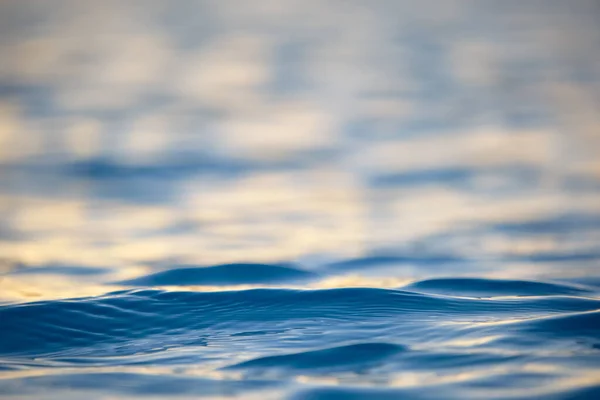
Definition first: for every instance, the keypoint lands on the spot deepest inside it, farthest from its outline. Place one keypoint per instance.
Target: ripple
(585, 324)
(357, 393)
(128, 384)
(146, 321)
(349, 357)
(383, 261)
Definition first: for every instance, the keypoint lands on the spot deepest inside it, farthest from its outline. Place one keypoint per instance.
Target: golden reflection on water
(257, 225)
(298, 131)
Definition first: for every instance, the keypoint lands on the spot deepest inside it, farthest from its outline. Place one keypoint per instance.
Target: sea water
(326, 200)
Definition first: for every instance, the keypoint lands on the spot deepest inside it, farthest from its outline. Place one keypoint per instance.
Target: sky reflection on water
(369, 143)
(136, 131)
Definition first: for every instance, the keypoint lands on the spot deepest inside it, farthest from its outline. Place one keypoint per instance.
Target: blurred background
(137, 134)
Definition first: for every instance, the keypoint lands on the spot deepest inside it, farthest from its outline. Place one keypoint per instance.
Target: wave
(584, 324)
(227, 274)
(382, 261)
(145, 321)
(501, 386)
(353, 357)
(495, 287)
(360, 393)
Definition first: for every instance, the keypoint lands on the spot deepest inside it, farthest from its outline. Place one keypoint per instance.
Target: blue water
(465, 338)
(345, 199)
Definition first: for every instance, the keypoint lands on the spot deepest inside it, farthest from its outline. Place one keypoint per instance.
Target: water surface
(301, 200)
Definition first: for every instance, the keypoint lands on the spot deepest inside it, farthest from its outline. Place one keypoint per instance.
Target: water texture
(536, 340)
(361, 199)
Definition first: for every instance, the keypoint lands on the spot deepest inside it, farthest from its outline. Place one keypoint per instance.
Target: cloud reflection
(135, 132)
